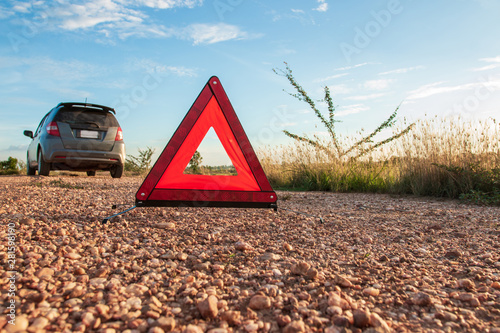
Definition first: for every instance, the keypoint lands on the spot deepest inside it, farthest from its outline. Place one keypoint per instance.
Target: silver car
(77, 137)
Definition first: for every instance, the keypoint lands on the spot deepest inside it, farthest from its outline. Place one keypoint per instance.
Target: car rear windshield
(86, 116)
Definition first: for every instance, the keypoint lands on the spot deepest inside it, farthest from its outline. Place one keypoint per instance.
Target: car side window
(40, 126)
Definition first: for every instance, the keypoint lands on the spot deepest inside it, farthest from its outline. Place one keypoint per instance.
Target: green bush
(140, 164)
(9, 167)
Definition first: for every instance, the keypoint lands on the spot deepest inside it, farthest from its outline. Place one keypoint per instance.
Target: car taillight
(119, 134)
(52, 129)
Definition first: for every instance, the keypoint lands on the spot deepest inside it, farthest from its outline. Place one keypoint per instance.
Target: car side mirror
(29, 134)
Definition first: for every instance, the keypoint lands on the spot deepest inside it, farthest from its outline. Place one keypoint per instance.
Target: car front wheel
(43, 167)
(116, 171)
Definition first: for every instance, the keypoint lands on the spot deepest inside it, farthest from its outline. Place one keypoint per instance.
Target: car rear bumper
(68, 159)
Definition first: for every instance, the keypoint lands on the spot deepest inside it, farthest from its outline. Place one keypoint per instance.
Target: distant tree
(10, 166)
(195, 162)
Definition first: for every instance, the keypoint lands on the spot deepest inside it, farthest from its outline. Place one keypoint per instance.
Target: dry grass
(440, 157)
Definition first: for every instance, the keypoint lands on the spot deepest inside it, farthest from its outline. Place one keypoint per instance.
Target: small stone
(156, 329)
(300, 268)
(383, 258)
(165, 225)
(73, 256)
(136, 289)
(231, 317)
(251, 327)
(79, 271)
(45, 272)
(193, 329)
(87, 319)
(242, 246)
(134, 303)
(361, 318)
(453, 254)
(287, 247)
(466, 297)
(333, 329)
(312, 273)
(341, 321)
(475, 302)
(421, 299)
(378, 322)
(295, 326)
(334, 310)
(166, 323)
(205, 266)
(371, 291)
(465, 284)
(208, 307)
(446, 316)
(342, 281)
(217, 330)
(27, 221)
(283, 320)
(20, 325)
(495, 285)
(38, 324)
(268, 256)
(259, 302)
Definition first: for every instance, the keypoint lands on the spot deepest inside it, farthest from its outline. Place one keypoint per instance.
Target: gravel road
(377, 264)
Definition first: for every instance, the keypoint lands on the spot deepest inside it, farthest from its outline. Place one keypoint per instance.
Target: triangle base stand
(104, 221)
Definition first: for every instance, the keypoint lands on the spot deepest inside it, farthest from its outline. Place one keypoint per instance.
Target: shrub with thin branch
(356, 150)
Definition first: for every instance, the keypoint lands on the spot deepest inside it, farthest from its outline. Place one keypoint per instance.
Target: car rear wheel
(43, 167)
(30, 171)
(116, 171)
(91, 173)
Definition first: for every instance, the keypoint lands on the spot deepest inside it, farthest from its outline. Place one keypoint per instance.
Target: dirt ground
(376, 263)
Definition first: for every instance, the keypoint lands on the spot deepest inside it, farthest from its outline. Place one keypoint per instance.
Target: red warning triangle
(166, 183)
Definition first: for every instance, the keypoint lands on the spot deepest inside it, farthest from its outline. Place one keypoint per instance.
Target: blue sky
(150, 58)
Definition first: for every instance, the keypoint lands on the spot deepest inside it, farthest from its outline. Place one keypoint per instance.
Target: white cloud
(352, 67)
(211, 33)
(402, 70)
(150, 66)
(297, 11)
(431, 89)
(128, 18)
(495, 59)
(322, 7)
(331, 77)
(5, 13)
(377, 84)
(165, 4)
(494, 63)
(491, 84)
(486, 68)
(351, 109)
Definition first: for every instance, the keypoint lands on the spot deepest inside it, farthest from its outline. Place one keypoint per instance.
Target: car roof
(91, 107)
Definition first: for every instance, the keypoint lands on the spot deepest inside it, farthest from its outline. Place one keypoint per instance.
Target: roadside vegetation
(139, 165)
(11, 166)
(443, 157)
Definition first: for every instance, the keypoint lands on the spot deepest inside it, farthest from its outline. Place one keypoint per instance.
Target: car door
(32, 149)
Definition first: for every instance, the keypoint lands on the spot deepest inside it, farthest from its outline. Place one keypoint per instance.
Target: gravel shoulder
(378, 263)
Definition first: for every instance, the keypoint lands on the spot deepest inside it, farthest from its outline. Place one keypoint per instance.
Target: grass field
(444, 157)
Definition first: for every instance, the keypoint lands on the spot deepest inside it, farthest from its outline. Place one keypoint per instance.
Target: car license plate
(89, 134)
